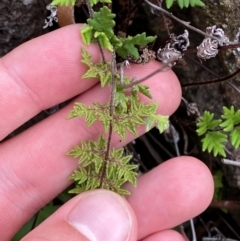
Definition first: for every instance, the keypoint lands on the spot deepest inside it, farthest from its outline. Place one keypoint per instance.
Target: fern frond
(169, 3)
(133, 116)
(94, 2)
(128, 47)
(207, 123)
(96, 70)
(103, 21)
(63, 2)
(230, 117)
(185, 3)
(143, 89)
(91, 161)
(235, 137)
(99, 165)
(214, 141)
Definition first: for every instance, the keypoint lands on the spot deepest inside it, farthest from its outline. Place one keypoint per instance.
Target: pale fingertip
(175, 191)
(95, 215)
(165, 235)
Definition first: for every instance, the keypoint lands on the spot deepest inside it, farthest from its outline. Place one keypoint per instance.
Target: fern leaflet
(185, 3)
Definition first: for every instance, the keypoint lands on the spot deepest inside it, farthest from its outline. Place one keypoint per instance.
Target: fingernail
(101, 216)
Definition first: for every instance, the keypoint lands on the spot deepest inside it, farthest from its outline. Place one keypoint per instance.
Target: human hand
(34, 168)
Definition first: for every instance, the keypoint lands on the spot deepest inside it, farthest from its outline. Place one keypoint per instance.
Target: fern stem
(213, 73)
(186, 24)
(226, 78)
(230, 162)
(111, 113)
(162, 68)
(91, 12)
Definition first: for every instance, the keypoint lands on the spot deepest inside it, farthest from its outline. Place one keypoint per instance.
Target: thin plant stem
(230, 162)
(229, 226)
(186, 24)
(111, 113)
(228, 204)
(226, 78)
(181, 228)
(158, 143)
(194, 237)
(162, 68)
(213, 73)
(91, 12)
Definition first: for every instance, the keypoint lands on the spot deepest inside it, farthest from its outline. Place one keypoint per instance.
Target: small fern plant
(185, 3)
(101, 165)
(216, 132)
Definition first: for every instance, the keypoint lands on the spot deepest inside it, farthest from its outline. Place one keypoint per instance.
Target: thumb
(97, 215)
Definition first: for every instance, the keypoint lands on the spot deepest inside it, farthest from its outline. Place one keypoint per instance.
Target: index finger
(40, 74)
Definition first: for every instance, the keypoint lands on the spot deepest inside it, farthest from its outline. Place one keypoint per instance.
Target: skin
(34, 168)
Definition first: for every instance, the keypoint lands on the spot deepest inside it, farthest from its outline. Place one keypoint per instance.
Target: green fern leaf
(129, 44)
(131, 127)
(180, 3)
(127, 50)
(194, 3)
(79, 176)
(102, 21)
(214, 141)
(121, 101)
(86, 57)
(144, 89)
(105, 1)
(136, 115)
(116, 42)
(140, 39)
(101, 71)
(169, 3)
(86, 34)
(235, 137)
(91, 73)
(90, 113)
(79, 110)
(118, 153)
(90, 117)
(206, 123)
(231, 118)
(150, 121)
(162, 122)
(118, 171)
(75, 152)
(103, 40)
(185, 3)
(149, 109)
(110, 171)
(78, 189)
(125, 159)
(63, 2)
(96, 70)
(101, 143)
(123, 192)
(94, 2)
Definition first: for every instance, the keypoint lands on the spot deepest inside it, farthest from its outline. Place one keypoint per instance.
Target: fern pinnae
(185, 3)
(106, 167)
